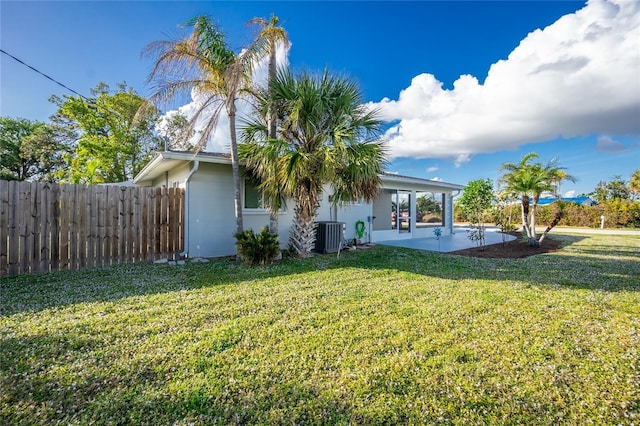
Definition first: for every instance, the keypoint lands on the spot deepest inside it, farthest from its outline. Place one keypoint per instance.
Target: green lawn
(378, 336)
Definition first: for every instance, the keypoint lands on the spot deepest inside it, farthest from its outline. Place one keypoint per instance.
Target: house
(209, 204)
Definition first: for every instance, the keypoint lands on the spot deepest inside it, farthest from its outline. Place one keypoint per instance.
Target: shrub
(257, 249)
(617, 213)
(475, 201)
(505, 216)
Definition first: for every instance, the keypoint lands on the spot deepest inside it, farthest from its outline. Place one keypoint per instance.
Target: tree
(326, 136)
(30, 150)
(427, 208)
(550, 175)
(475, 201)
(426, 205)
(615, 189)
(111, 144)
(634, 184)
(176, 133)
(203, 63)
(528, 181)
(272, 35)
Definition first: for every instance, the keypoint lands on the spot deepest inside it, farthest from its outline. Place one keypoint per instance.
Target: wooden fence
(49, 227)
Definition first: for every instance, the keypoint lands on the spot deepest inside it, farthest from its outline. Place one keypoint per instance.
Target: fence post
(4, 228)
(56, 229)
(14, 230)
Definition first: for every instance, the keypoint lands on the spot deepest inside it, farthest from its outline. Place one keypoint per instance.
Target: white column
(449, 210)
(413, 212)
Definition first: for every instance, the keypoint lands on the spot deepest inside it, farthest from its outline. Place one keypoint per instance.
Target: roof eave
(387, 177)
(147, 173)
(155, 167)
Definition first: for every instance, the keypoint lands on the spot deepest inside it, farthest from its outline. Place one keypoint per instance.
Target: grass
(378, 336)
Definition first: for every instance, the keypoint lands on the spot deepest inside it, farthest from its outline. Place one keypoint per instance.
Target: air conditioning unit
(329, 236)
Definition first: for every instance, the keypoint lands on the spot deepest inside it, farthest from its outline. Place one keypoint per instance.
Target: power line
(43, 74)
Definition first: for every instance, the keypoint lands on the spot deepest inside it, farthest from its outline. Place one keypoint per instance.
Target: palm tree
(550, 176)
(519, 180)
(325, 136)
(203, 63)
(528, 181)
(272, 35)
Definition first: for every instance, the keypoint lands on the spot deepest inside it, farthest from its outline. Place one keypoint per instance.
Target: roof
(167, 160)
(585, 201)
(397, 178)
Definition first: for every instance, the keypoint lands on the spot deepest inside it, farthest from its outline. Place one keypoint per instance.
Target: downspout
(194, 168)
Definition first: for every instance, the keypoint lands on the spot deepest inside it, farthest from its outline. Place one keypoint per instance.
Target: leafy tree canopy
(30, 150)
(112, 143)
(176, 133)
(615, 189)
(475, 201)
(634, 184)
(427, 204)
(477, 196)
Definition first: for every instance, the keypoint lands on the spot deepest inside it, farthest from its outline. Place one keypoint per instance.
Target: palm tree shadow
(610, 269)
(603, 268)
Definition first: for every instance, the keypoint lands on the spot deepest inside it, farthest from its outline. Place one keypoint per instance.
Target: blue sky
(559, 78)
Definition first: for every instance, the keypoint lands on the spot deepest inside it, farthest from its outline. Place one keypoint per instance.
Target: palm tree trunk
(303, 234)
(273, 222)
(235, 167)
(556, 219)
(558, 215)
(525, 215)
(273, 213)
(272, 74)
(534, 207)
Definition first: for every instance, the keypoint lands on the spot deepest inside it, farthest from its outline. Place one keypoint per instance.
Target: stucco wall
(382, 211)
(211, 211)
(177, 175)
(212, 219)
(351, 214)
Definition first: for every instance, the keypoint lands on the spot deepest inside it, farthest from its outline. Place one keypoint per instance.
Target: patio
(448, 243)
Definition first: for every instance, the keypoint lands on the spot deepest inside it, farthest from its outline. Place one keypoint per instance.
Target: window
(253, 200)
(252, 196)
(429, 209)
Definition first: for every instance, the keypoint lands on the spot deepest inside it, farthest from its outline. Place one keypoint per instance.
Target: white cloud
(432, 169)
(220, 140)
(437, 179)
(570, 194)
(578, 76)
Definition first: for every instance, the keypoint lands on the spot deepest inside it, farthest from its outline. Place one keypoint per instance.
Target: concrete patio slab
(448, 243)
